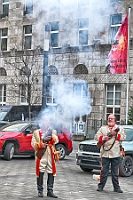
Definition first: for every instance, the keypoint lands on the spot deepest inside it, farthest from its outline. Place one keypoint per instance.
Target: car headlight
(1, 135)
(81, 146)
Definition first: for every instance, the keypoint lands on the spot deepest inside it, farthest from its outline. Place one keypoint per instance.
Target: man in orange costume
(47, 161)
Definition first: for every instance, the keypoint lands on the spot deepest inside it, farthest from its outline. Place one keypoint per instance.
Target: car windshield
(129, 134)
(15, 127)
(2, 115)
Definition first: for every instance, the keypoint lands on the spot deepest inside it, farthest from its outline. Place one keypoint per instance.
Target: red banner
(118, 52)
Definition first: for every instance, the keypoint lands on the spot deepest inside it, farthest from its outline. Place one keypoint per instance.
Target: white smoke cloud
(69, 105)
(96, 11)
(71, 102)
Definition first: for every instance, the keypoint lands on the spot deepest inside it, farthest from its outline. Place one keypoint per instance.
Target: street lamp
(46, 78)
(45, 73)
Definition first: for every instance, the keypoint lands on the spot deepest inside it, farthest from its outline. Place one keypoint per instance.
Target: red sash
(37, 159)
(50, 144)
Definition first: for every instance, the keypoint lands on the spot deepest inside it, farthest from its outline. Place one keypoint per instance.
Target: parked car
(88, 155)
(14, 113)
(3, 123)
(15, 139)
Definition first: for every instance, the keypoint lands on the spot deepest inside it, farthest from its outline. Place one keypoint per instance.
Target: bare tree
(27, 72)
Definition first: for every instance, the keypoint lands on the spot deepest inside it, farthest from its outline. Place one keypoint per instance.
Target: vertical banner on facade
(118, 53)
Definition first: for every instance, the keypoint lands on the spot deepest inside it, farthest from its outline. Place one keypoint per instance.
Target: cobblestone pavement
(18, 181)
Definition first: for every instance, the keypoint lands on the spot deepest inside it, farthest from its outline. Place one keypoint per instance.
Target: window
(3, 39)
(113, 100)
(5, 8)
(80, 69)
(28, 7)
(3, 72)
(2, 95)
(52, 70)
(83, 31)
(27, 36)
(54, 34)
(51, 96)
(23, 94)
(80, 90)
(116, 20)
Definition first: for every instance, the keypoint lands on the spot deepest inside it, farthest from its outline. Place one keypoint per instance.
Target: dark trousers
(106, 162)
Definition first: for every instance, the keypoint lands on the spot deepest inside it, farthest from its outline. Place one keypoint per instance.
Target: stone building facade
(80, 35)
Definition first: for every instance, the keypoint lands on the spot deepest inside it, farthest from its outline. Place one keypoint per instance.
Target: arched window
(52, 70)
(80, 69)
(3, 72)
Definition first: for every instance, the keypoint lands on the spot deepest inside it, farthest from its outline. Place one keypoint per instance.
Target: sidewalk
(18, 181)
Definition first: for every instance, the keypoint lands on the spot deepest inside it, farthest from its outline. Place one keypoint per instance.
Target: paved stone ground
(18, 181)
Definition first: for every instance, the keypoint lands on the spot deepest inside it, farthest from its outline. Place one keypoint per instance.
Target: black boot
(50, 183)
(40, 184)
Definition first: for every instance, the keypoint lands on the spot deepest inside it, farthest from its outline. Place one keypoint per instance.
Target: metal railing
(92, 126)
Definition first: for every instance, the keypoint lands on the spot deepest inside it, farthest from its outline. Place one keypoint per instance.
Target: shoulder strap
(110, 147)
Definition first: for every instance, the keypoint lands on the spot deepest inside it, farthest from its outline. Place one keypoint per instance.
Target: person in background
(110, 137)
(43, 141)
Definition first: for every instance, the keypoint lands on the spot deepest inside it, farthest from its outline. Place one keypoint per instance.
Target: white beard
(111, 124)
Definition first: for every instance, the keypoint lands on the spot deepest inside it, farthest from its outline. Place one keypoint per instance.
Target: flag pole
(128, 46)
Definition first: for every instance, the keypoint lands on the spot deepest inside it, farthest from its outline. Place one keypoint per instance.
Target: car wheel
(9, 151)
(86, 169)
(126, 166)
(61, 148)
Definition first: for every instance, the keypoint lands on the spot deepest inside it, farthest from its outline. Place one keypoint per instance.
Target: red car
(15, 139)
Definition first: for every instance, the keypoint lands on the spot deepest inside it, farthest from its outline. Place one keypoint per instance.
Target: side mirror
(27, 132)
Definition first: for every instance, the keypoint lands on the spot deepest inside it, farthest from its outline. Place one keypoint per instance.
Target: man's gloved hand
(105, 138)
(40, 145)
(43, 145)
(114, 133)
(47, 139)
(115, 130)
